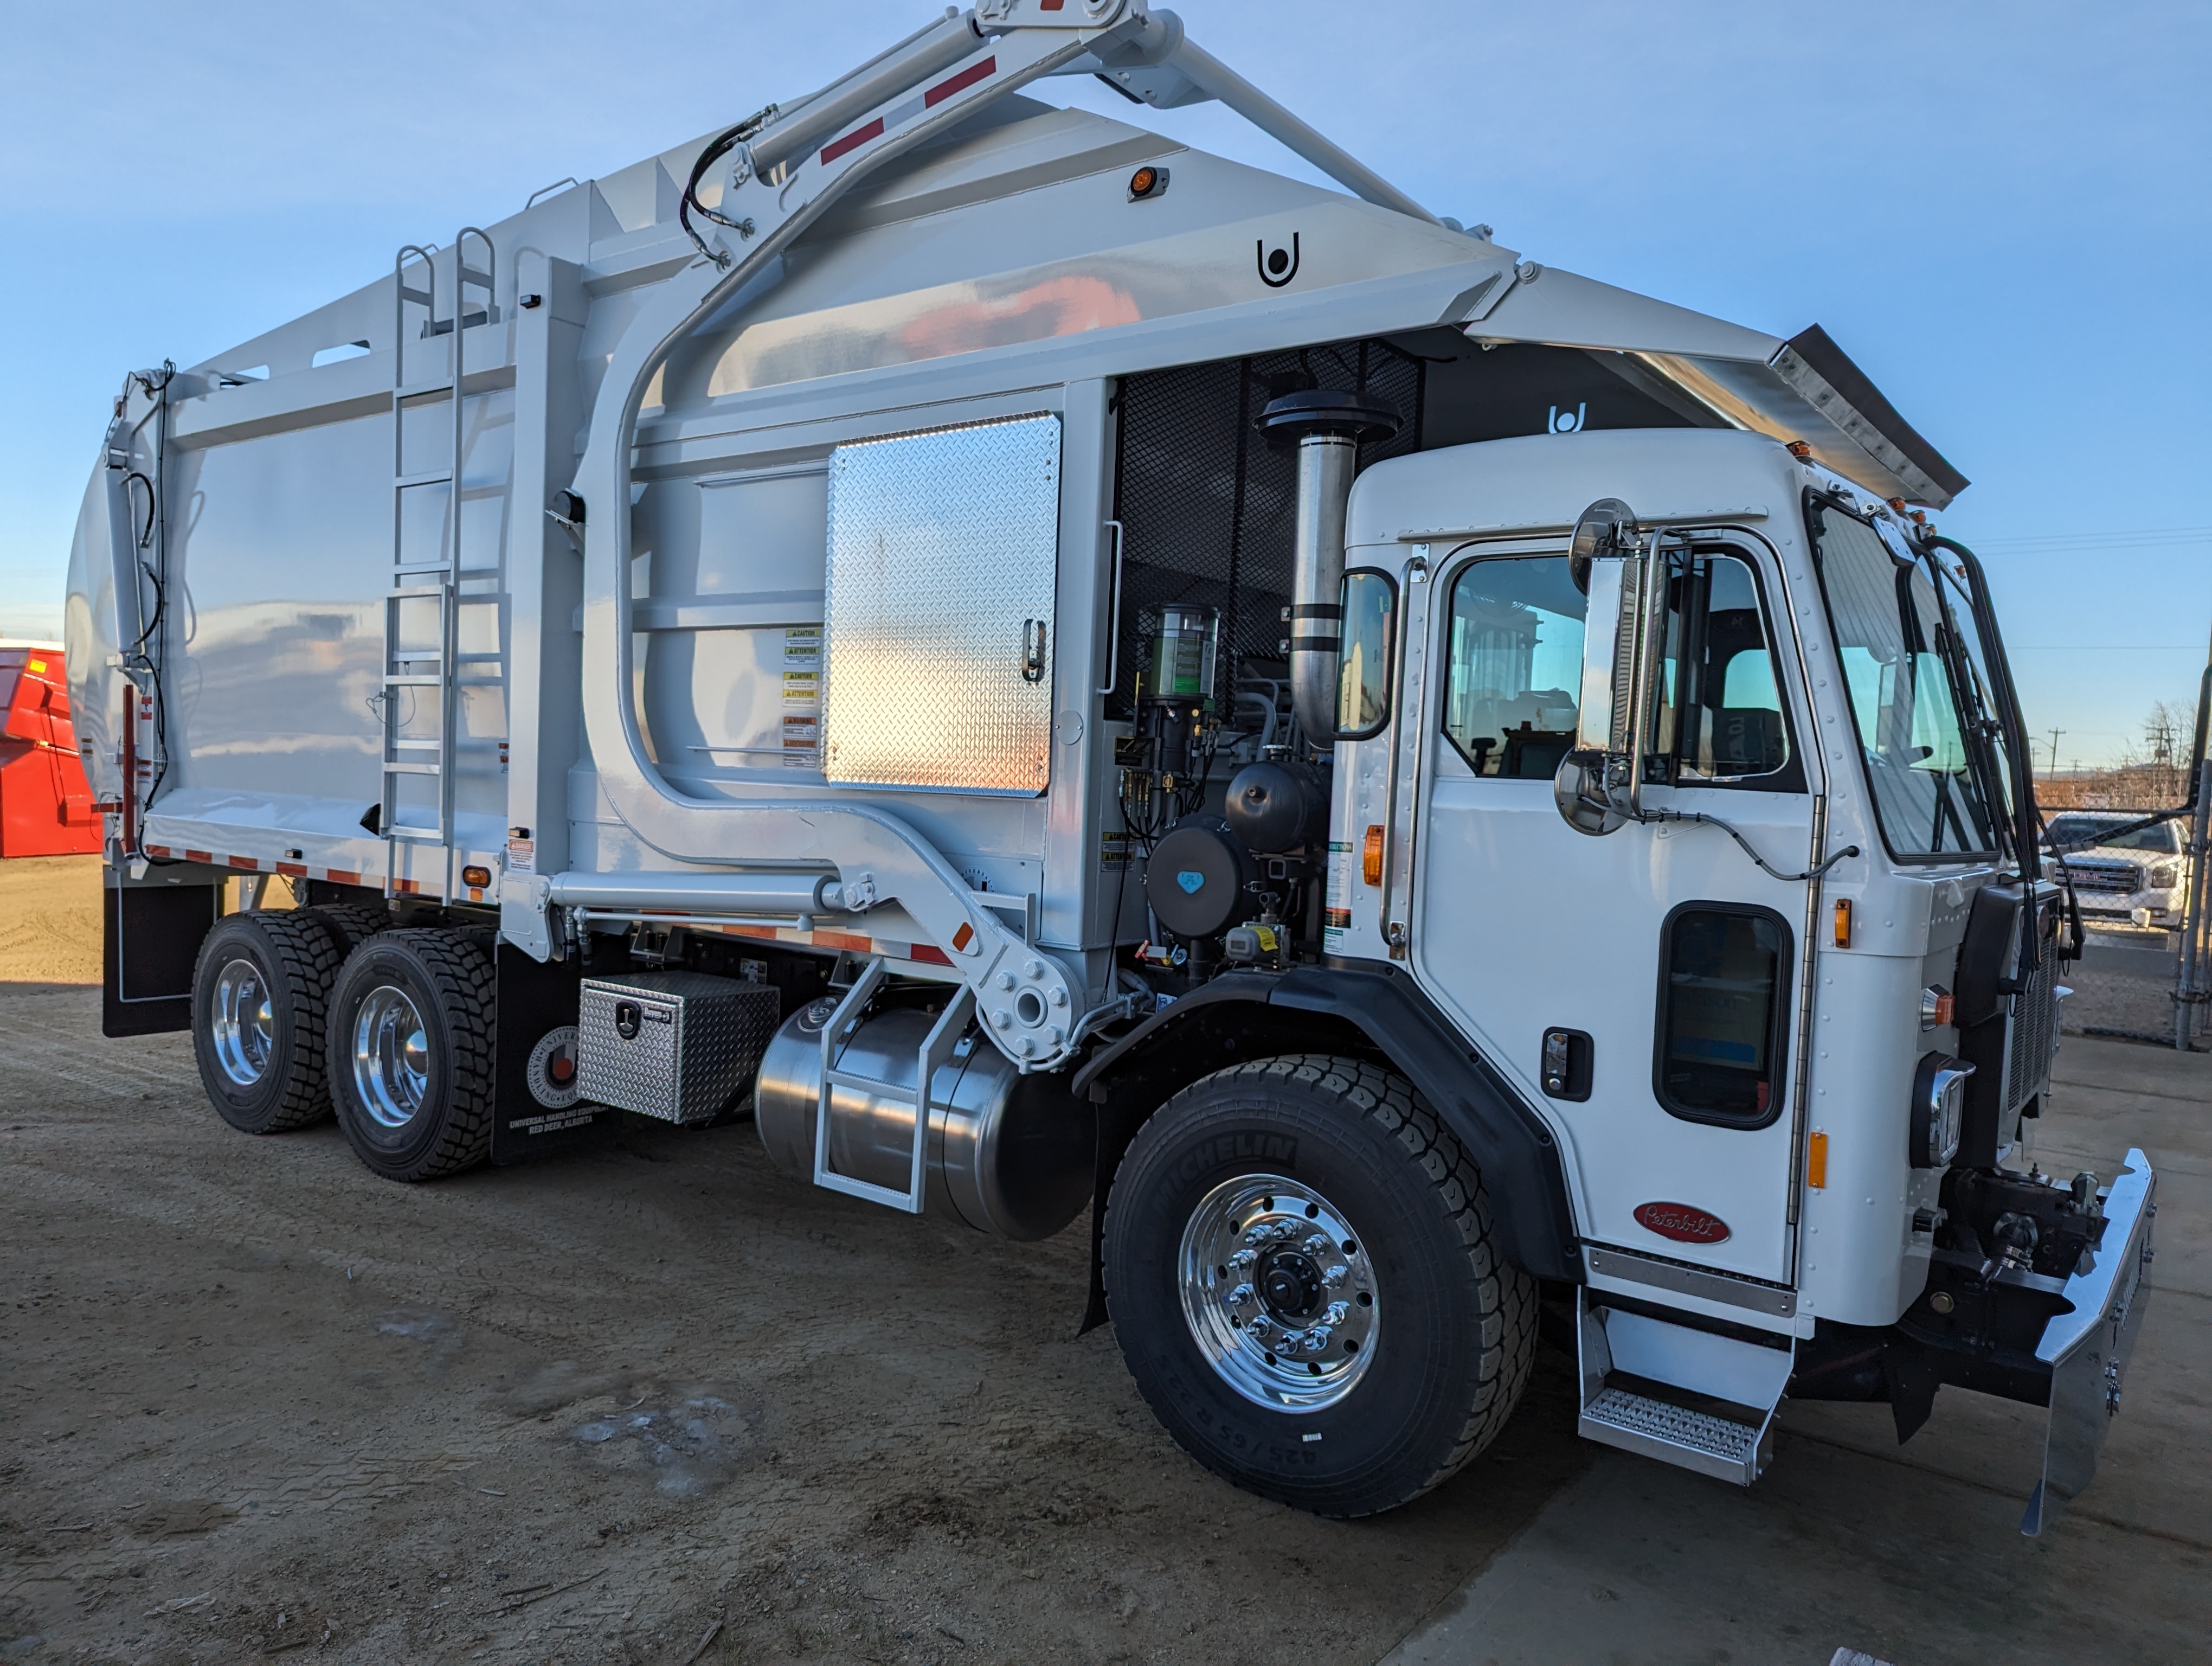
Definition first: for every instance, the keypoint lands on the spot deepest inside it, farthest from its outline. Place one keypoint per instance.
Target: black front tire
(410, 1053)
(1452, 1328)
(259, 993)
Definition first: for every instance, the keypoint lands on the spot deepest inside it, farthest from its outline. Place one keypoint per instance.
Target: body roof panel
(1015, 231)
(1545, 481)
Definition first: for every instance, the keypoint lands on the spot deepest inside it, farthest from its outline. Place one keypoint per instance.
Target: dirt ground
(254, 1399)
(661, 1405)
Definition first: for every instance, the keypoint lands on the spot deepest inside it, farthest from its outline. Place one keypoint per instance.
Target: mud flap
(536, 1002)
(150, 938)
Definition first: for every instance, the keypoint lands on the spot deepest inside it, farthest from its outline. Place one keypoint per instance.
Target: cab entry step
(1657, 1429)
(1693, 1398)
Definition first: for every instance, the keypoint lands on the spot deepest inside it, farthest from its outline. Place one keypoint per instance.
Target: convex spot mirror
(1595, 786)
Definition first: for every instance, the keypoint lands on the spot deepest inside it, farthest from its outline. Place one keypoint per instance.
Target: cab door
(1662, 961)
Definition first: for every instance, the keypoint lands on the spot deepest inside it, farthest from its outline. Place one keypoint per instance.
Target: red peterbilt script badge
(1680, 1222)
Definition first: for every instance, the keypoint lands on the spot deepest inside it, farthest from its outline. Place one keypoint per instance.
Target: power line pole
(2055, 733)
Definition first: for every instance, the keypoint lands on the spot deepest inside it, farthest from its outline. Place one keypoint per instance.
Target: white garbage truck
(1053, 670)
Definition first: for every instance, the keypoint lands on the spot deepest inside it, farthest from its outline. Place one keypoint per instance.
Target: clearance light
(478, 876)
(1147, 181)
(1371, 855)
(1938, 1008)
(1843, 922)
(1816, 1161)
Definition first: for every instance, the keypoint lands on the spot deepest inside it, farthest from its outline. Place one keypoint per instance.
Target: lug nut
(1245, 1257)
(1315, 1245)
(1335, 1276)
(1239, 1297)
(1335, 1313)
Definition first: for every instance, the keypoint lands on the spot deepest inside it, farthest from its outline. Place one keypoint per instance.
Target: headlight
(2164, 875)
(1939, 1109)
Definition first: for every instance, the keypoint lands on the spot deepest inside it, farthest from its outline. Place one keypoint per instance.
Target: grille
(1207, 506)
(2031, 1036)
(2120, 877)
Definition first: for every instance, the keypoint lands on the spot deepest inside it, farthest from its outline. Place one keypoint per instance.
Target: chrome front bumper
(2087, 1349)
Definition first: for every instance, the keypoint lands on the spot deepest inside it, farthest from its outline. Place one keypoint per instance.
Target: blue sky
(2000, 210)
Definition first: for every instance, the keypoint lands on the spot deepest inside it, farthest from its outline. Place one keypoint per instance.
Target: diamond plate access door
(937, 657)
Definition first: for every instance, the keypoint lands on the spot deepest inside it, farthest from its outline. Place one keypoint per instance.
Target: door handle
(1033, 650)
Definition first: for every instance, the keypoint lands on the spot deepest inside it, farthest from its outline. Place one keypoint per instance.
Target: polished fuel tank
(1008, 1153)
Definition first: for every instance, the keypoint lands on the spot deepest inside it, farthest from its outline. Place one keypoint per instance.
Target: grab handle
(1114, 618)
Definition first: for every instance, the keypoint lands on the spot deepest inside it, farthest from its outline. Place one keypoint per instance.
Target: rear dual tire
(259, 997)
(299, 1013)
(409, 1053)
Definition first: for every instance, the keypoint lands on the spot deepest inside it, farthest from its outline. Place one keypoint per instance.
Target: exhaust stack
(1328, 427)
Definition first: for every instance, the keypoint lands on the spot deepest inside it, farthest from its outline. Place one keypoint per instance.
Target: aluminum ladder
(936, 1048)
(416, 577)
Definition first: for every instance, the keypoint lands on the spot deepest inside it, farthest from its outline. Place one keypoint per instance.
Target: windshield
(1956, 594)
(1894, 642)
(2084, 832)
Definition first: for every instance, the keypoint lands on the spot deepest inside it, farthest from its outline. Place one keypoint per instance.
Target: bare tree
(2154, 773)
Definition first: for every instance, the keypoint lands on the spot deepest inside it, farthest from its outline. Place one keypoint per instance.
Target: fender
(1214, 1026)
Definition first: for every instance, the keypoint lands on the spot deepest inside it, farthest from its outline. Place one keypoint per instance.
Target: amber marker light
(1843, 922)
(1816, 1161)
(478, 876)
(1371, 855)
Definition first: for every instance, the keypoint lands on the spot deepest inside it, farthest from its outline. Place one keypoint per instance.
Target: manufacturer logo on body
(1681, 1223)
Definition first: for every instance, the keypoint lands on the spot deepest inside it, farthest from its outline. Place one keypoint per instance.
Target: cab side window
(1721, 722)
(1723, 1013)
(1514, 659)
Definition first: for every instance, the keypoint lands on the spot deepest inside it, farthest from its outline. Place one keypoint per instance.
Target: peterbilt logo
(1681, 1223)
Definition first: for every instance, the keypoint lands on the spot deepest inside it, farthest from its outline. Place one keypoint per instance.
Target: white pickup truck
(2140, 873)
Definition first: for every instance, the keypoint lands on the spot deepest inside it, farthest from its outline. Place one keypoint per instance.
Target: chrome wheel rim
(391, 1056)
(1279, 1292)
(245, 1027)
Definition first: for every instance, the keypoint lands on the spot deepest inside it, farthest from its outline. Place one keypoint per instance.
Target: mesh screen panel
(1207, 504)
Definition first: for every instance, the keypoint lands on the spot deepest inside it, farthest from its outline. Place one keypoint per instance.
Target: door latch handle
(1033, 650)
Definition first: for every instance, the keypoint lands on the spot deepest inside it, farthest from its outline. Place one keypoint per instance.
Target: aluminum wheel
(391, 1056)
(244, 1029)
(1278, 1294)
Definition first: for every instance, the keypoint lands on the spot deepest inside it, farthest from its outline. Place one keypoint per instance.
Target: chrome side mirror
(1596, 785)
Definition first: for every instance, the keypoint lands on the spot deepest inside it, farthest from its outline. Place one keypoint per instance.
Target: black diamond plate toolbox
(680, 1046)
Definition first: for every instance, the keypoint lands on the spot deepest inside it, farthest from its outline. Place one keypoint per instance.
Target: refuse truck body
(1056, 671)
